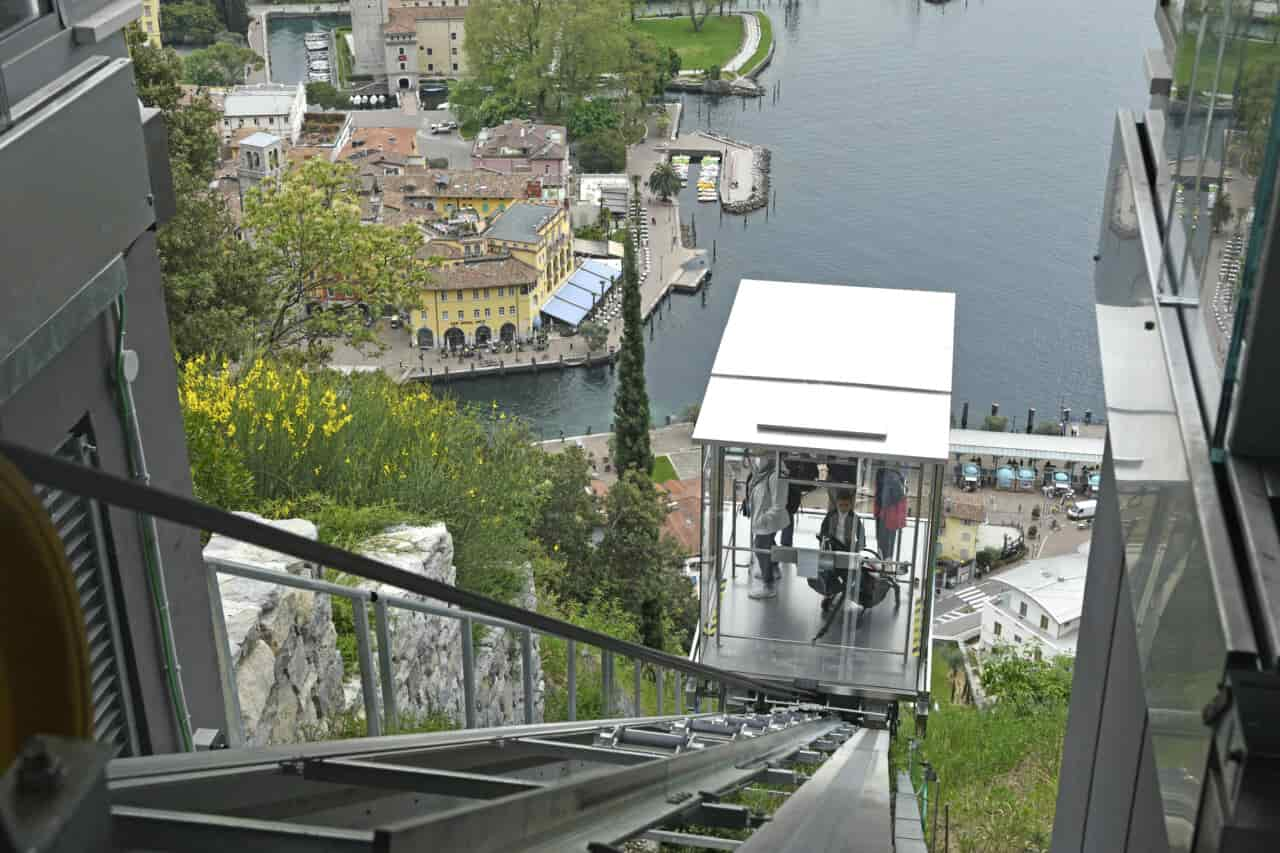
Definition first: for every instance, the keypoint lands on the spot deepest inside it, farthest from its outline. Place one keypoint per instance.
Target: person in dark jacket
(841, 530)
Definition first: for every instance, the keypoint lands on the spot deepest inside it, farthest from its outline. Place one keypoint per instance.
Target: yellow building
(474, 301)
(492, 286)
(150, 21)
(540, 236)
(959, 537)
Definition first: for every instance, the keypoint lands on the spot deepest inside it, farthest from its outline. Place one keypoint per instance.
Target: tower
(367, 18)
(262, 157)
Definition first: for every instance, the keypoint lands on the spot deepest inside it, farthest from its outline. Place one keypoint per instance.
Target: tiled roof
(445, 183)
(483, 272)
(404, 18)
(523, 139)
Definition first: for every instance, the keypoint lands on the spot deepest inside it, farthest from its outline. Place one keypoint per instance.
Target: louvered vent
(80, 526)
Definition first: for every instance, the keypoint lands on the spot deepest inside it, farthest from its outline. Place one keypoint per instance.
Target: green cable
(128, 416)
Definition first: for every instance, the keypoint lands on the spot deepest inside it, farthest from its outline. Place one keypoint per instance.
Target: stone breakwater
(760, 158)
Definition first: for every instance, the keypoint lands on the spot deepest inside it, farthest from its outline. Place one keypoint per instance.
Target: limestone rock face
(426, 661)
(283, 644)
(292, 681)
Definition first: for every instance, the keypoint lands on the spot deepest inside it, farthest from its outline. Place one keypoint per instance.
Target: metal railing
(469, 607)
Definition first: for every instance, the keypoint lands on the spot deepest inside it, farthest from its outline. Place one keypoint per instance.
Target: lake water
(288, 52)
(960, 147)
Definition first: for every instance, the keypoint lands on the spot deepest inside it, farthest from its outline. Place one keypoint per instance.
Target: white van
(1082, 510)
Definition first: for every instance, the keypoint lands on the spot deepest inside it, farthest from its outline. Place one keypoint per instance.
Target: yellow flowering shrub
(267, 437)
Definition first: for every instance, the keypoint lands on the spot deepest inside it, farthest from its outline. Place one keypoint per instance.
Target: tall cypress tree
(631, 400)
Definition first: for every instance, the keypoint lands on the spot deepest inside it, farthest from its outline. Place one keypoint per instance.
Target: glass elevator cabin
(853, 417)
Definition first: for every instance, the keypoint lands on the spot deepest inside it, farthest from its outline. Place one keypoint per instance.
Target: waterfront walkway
(750, 43)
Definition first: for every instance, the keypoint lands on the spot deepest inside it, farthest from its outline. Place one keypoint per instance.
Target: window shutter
(81, 527)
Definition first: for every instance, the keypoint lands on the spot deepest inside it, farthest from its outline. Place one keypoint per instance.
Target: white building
(272, 107)
(1041, 605)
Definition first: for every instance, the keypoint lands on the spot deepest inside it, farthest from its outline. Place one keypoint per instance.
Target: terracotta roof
(483, 272)
(446, 183)
(403, 19)
(682, 520)
(521, 139)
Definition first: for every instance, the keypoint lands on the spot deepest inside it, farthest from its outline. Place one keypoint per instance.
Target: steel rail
(179, 509)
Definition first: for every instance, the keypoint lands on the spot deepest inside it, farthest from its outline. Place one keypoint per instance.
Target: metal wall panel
(68, 193)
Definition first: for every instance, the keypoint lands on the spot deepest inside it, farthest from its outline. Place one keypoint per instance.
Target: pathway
(750, 42)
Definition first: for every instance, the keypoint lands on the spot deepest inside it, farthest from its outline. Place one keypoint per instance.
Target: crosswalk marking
(973, 596)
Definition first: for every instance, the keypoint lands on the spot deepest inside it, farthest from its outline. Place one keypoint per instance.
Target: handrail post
(226, 662)
(468, 674)
(571, 649)
(638, 666)
(526, 673)
(361, 618)
(391, 714)
(658, 681)
(606, 681)
(724, 698)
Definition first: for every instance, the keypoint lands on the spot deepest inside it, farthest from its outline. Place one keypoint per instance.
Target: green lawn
(715, 44)
(344, 57)
(663, 470)
(766, 39)
(998, 769)
(1253, 51)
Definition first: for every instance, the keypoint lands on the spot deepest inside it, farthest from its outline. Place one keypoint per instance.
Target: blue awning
(1004, 475)
(580, 292)
(1061, 477)
(1026, 474)
(1095, 480)
(565, 312)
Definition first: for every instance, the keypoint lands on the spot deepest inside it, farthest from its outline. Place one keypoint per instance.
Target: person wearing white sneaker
(766, 505)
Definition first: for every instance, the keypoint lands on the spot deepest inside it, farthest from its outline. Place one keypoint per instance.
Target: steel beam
(156, 829)
(685, 839)
(400, 777)
(605, 807)
(580, 752)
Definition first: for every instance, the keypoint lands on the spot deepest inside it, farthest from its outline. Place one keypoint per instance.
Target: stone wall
(292, 681)
(283, 644)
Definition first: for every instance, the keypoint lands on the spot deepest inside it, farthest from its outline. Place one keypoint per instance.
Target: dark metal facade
(85, 173)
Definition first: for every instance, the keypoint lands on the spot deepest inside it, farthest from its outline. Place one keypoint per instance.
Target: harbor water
(285, 43)
(960, 147)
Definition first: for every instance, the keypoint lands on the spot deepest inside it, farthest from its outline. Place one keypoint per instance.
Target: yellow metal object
(44, 658)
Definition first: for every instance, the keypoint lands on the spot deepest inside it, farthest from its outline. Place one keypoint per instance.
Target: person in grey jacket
(767, 499)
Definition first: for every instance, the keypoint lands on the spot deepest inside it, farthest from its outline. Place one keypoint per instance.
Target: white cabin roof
(833, 369)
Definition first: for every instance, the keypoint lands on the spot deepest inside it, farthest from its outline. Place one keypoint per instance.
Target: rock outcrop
(426, 661)
(292, 682)
(283, 644)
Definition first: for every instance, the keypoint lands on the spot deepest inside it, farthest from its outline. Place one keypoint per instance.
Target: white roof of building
(833, 369)
(263, 99)
(1056, 448)
(259, 140)
(1054, 583)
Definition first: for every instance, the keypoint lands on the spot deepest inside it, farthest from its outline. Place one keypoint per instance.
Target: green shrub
(274, 439)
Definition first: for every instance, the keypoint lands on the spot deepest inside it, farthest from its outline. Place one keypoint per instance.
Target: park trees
(307, 233)
(191, 22)
(631, 451)
(664, 181)
(595, 334)
(220, 64)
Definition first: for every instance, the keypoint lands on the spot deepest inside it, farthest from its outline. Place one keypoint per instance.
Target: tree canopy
(220, 64)
(307, 234)
(195, 22)
(631, 450)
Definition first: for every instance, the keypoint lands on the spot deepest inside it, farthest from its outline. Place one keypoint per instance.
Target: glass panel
(14, 12)
(1181, 648)
(1219, 129)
